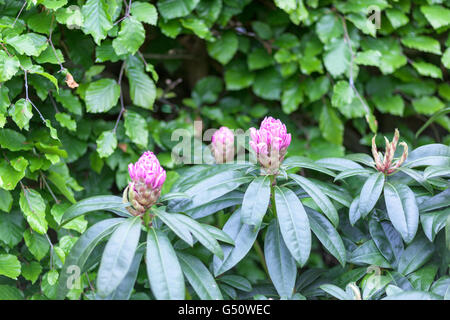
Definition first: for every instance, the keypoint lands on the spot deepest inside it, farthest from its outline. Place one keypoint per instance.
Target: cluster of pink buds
(270, 143)
(385, 164)
(147, 177)
(222, 145)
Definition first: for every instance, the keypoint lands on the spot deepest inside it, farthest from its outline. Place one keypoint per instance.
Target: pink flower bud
(222, 145)
(147, 177)
(270, 143)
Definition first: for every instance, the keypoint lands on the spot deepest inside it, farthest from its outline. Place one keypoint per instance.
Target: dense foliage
(86, 86)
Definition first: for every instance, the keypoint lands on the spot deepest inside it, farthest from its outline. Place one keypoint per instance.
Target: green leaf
(30, 44)
(9, 177)
(170, 219)
(33, 206)
(102, 95)
(327, 235)
(267, 84)
(415, 255)
(13, 140)
(142, 88)
(237, 282)
(387, 240)
(9, 266)
(6, 200)
(199, 277)
(96, 203)
(342, 94)
(422, 43)
(10, 293)
(335, 291)
(243, 235)
(337, 57)
(207, 90)
(445, 58)
(198, 27)
(329, 27)
(81, 251)
(106, 143)
(171, 9)
(210, 188)
(424, 277)
(125, 288)
(303, 162)
(118, 255)
(368, 254)
(130, 38)
(396, 17)
(66, 121)
(256, 201)
(318, 197)
(280, 263)
(136, 128)
(8, 66)
(294, 224)
(437, 16)
(69, 101)
(31, 271)
(21, 113)
(292, 96)
(436, 171)
(392, 104)
(427, 69)
(144, 12)
(218, 234)
(370, 193)
(331, 125)
(259, 59)
(427, 105)
(97, 21)
(368, 58)
(413, 295)
(163, 268)
(238, 77)
(202, 235)
(37, 244)
(433, 222)
(402, 209)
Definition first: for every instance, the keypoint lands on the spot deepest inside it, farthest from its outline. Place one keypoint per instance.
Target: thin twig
(127, 12)
(20, 12)
(53, 102)
(122, 106)
(49, 189)
(28, 99)
(53, 47)
(351, 80)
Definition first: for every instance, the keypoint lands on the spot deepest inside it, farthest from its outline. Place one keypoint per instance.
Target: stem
(122, 106)
(273, 183)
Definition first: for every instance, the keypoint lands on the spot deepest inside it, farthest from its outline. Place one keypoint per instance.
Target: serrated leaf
(97, 21)
(130, 38)
(106, 143)
(144, 12)
(102, 95)
(142, 88)
(9, 266)
(33, 206)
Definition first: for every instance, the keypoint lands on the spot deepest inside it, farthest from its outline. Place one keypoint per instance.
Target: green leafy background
(147, 69)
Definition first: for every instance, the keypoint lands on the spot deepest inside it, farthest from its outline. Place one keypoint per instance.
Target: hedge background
(144, 68)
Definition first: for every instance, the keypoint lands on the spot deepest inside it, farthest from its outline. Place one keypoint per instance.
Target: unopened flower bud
(147, 177)
(270, 143)
(222, 145)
